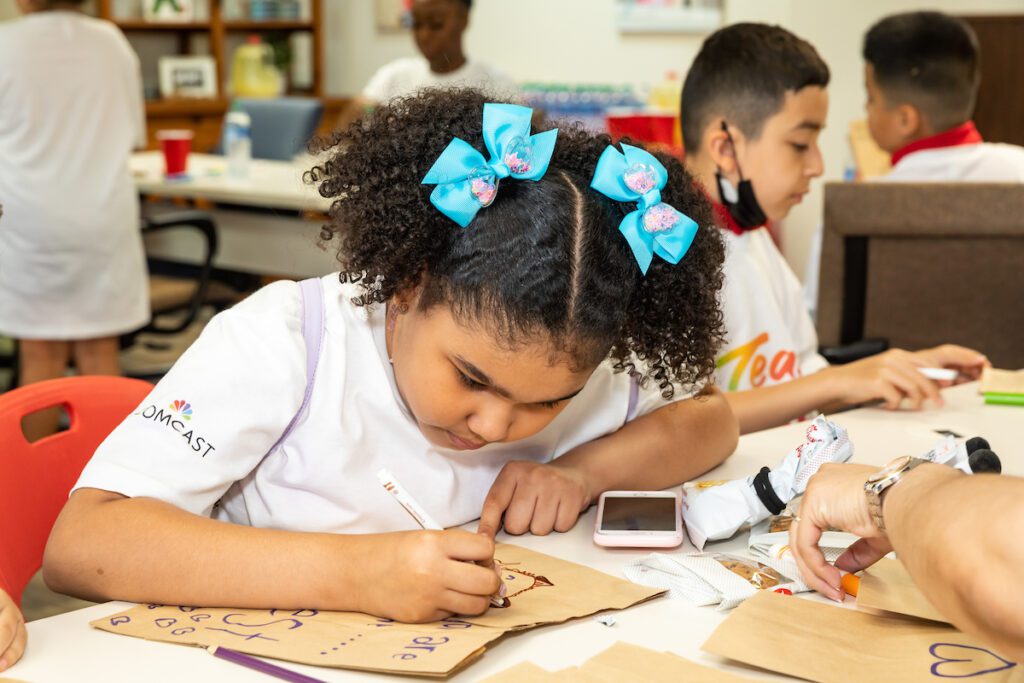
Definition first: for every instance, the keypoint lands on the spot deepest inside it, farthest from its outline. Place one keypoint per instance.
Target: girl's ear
(407, 298)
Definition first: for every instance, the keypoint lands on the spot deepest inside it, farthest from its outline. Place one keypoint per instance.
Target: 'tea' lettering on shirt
(176, 416)
(782, 367)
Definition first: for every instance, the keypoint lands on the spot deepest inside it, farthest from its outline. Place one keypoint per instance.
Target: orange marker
(850, 583)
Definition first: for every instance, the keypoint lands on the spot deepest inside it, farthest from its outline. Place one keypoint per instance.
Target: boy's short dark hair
(743, 72)
(929, 60)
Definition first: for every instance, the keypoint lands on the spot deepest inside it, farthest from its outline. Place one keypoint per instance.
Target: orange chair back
(35, 478)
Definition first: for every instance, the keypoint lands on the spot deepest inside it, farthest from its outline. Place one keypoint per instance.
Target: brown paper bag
(887, 586)
(541, 590)
(626, 662)
(622, 662)
(525, 672)
(831, 644)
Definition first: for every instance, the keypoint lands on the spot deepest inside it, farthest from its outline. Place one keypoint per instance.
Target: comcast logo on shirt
(175, 416)
(184, 408)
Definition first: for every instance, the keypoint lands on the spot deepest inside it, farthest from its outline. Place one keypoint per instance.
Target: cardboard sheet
(887, 586)
(1001, 381)
(540, 590)
(621, 662)
(833, 644)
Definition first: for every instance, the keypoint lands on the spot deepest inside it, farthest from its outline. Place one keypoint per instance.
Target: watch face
(894, 466)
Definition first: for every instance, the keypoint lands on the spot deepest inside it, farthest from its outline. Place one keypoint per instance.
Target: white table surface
(65, 648)
(271, 184)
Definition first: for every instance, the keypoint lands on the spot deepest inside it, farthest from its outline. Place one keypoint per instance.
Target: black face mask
(742, 202)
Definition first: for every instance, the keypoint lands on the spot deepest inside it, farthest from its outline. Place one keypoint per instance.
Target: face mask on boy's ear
(742, 205)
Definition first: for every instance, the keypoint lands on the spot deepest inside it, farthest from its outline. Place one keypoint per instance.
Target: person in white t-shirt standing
(753, 105)
(72, 267)
(437, 28)
(509, 353)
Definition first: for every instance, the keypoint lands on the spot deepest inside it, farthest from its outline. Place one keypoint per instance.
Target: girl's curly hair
(545, 260)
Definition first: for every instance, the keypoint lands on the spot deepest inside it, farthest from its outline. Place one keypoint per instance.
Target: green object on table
(1004, 399)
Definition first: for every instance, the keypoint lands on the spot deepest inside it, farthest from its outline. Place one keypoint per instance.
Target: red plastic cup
(176, 145)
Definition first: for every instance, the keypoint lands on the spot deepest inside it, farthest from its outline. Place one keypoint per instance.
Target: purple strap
(634, 399)
(312, 296)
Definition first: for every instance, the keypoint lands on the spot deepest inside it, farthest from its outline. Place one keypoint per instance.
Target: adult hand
(835, 499)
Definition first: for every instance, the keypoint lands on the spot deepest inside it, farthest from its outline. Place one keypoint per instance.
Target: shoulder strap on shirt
(634, 399)
(312, 298)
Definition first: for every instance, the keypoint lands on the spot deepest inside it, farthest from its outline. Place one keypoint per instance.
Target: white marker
(414, 509)
(939, 374)
(389, 482)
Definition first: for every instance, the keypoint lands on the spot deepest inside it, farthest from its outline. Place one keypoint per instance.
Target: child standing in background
(753, 105)
(481, 349)
(437, 29)
(72, 270)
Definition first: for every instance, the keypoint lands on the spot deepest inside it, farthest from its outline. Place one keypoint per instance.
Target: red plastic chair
(35, 478)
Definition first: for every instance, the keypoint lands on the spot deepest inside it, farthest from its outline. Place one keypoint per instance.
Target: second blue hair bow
(634, 175)
(466, 182)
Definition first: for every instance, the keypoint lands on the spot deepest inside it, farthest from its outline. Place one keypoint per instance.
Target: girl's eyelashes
(473, 385)
(799, 147)
(469, 381)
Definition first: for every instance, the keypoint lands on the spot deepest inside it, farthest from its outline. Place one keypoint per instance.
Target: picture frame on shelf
(168, 11)
(669, 16)
(188, 77)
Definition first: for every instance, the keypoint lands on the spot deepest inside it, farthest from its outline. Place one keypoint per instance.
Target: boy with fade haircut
(921, 74)
(753, 105)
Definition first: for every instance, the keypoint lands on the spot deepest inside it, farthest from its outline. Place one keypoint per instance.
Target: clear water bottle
(238, 143)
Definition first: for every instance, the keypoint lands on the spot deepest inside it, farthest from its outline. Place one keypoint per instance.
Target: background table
(65, 648)
(261, 221)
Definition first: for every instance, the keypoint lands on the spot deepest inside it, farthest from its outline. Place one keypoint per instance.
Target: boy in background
(753, 106)
(921, 75)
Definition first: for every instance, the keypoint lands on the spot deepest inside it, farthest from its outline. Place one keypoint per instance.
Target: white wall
(576, 41)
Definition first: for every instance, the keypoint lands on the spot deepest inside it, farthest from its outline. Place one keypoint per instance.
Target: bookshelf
(217, 33)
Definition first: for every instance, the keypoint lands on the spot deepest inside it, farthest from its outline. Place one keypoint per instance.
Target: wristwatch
(880, 481)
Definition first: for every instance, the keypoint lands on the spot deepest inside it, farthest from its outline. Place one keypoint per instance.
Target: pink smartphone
(639, 519)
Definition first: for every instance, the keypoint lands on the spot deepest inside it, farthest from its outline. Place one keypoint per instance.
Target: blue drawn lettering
(198, 617)
(123, 619)
(182, 631)
(166, 622)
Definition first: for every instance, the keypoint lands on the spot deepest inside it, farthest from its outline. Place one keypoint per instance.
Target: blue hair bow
(466, 182)
(634, 175)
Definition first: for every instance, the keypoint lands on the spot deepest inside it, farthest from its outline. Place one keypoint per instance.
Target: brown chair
(925, 263)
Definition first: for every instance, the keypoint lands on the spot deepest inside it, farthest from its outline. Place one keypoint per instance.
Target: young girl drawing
(479, 343)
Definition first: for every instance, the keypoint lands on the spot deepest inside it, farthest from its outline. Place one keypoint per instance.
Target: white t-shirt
(200, 437)
(72, 264)
(406, 76)
(985, 162)
(770, 338)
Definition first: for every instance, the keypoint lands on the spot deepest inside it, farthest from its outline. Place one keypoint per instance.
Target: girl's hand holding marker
(454, 544)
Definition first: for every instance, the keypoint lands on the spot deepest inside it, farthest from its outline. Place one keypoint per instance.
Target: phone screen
(639, 514)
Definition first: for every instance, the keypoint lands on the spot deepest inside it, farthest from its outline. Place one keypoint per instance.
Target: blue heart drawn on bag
(977, 660)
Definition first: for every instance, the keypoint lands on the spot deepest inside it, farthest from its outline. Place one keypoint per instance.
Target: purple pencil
(260, 665)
